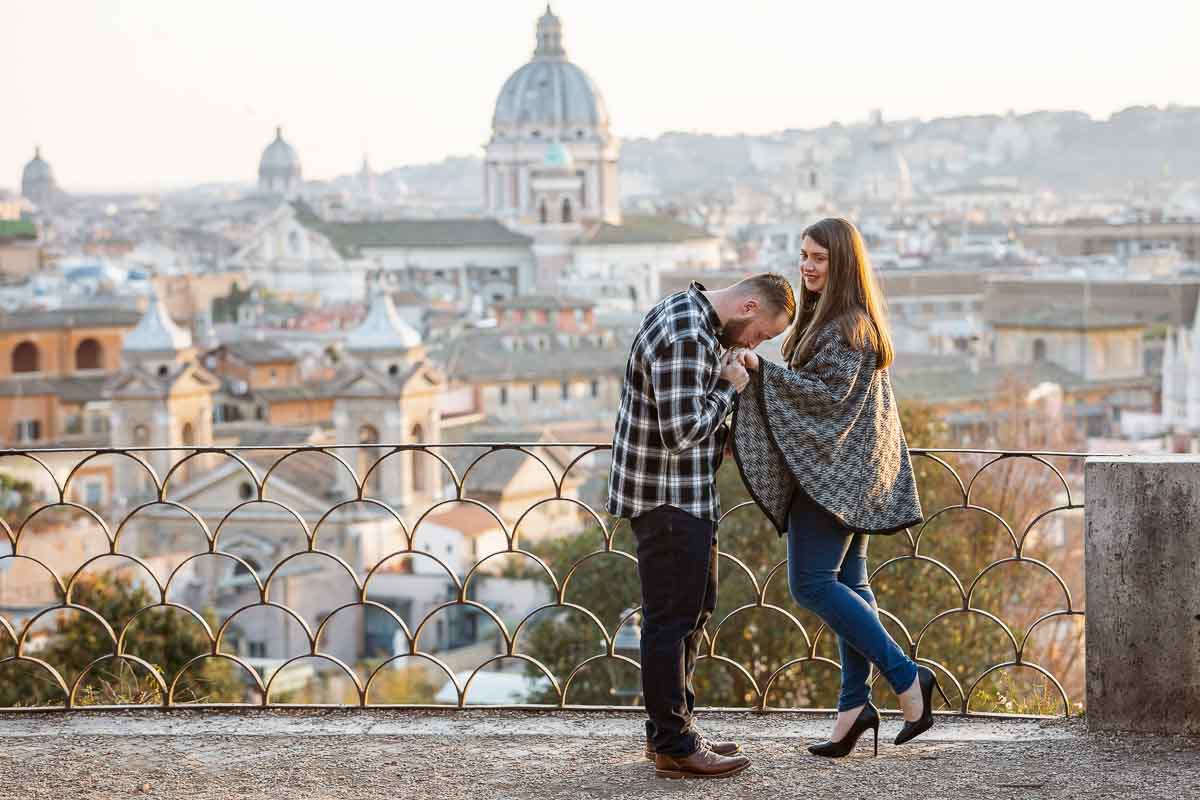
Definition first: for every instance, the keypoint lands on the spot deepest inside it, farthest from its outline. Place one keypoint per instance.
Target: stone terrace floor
(314, 753)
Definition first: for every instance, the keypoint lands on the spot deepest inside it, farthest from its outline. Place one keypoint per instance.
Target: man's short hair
(772, 289)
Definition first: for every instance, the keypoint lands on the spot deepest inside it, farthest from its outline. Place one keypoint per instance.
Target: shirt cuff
(726, 392)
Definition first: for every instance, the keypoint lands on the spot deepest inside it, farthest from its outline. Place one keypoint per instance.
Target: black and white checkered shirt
(670, 430)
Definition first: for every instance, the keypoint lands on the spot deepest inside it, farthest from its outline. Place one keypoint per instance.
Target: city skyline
(135, 96)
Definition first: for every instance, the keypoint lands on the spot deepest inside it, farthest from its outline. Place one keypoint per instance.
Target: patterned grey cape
(829, 426)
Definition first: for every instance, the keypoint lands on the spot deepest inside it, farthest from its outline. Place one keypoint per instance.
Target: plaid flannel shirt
(670, 431)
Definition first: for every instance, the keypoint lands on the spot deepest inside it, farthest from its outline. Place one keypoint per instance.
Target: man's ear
(750, 306)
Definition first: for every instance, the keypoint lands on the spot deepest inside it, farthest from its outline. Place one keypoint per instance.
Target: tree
(165, 638)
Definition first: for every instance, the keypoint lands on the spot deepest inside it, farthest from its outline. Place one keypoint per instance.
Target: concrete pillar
(1143, 593)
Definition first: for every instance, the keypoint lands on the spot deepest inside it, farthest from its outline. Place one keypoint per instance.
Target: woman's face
(814, 265)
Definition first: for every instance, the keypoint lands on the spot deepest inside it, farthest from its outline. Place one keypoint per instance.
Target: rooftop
(380, 753)
(264, 352)
(543, 302)
(349, 237)
(17, 229)
(69, 318)
(646, 229)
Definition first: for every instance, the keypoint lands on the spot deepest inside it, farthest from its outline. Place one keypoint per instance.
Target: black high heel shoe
(929, 682)
(867, 718)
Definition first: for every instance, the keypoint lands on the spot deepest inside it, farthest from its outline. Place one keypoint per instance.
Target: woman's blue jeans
(827, 573)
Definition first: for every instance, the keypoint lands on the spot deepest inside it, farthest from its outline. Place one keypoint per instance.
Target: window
(241, 569)
(566, 390)
(533, 392)
(25, 358)
(418, 465)
(566, 209)
(543, 215)
(1039, 349)
(28, 430)
(595, 388)
(163, 370)
(93, 494)
(245, 490)
(503, 395)
(88, 355)
(368, 457)
(258, 649)
(141, 435)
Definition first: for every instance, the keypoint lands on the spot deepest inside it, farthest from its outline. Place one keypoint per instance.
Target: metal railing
(979, 567)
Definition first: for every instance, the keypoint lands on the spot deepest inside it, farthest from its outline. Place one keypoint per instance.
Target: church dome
(37, 179)
(156, 332)
(279, 161)
(550, 91)
(383, 330)
(37, 170)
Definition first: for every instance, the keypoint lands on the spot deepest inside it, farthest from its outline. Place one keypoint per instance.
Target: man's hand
(735, 373)
(744, 356)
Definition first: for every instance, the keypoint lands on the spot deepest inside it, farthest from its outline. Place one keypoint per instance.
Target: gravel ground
(499, 755)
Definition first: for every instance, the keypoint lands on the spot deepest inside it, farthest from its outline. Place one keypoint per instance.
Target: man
(680, 385)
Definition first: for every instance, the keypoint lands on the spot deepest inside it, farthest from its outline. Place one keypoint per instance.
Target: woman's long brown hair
(851, 297)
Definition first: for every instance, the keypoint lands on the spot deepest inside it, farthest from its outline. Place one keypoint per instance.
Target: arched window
(240, 569)
(141, 436)
(367, 456)
(89, 355)
(1039, 349)
(418, 464)
(294, 243)
(543, 215)
(25, 358)
(188, 434)
(566, 209)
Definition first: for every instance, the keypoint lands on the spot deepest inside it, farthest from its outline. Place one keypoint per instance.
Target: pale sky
(148, 93)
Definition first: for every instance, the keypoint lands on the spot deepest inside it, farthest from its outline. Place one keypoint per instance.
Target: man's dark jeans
(677, 564)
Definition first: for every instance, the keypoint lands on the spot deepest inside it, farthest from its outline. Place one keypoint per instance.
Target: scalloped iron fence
(485, 574)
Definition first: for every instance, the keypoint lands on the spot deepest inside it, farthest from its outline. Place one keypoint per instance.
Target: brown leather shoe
(720, 748)
(703, 763)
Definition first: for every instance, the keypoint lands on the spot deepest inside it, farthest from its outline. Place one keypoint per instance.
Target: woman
(821, 449)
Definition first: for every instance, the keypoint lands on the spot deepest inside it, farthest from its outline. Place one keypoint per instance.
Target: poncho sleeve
(816, 388)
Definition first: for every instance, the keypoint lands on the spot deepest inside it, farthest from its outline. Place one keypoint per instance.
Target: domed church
(550, 115)
(553, 222)
(37, 180)
(279, 168)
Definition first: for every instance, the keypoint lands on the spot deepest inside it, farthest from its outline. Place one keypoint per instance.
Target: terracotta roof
(466, 518)
(542, 302)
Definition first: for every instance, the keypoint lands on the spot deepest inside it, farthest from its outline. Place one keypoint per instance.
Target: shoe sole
(676, 774)
(650, 754)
